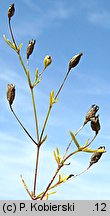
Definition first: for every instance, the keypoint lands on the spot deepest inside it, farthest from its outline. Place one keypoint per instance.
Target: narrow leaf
(74, 139)
(9, 42)
(36, 73)
(55, 156)
(57, 150)
(59, 178)
(51, 101)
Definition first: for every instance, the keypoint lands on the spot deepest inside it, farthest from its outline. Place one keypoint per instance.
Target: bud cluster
(91, 116)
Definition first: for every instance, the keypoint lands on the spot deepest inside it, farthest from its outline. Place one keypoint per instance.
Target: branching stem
(57, 171)
(22, 125)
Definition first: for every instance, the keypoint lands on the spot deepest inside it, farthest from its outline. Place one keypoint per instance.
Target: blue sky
(62, 29)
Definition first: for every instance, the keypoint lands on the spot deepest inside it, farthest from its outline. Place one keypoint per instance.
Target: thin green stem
(62, 84)
(32, 95)
(82, 172)
(71, 154)
(45, 122)
(58, 169)
(25, 186)
(91, 141)
(67, 149)
(12, 35)
(38, 147)
(79, 130)
(22, 125)
(22, 63)
(36, 168)
(42, 72)
(35, 114)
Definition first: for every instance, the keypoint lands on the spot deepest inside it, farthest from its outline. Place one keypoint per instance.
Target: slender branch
(71, 154)
(35, 114)
(36, 168)
(67, 149)
(79, 130)
(26, 187)
(45, 122)
(82, 172)
(32, 95)
(42, 72)
(22, 125)
(12, 35)
(62, 84)
(22, 63)
(38, 147)
(59, 167)
(91, 141)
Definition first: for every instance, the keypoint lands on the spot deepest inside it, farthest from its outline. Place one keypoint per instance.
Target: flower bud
(91, 113)
(30, 48)
(96, 156)
(47, 61)
(95, 125)
(10, 93)
(74, 61)
(11, 11)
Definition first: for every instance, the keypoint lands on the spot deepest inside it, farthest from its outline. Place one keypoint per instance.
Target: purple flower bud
(10, 93)
(95, 124)
(96, 156)
(74, 61)
(11, 11)
(91, 113)
(30, 48)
